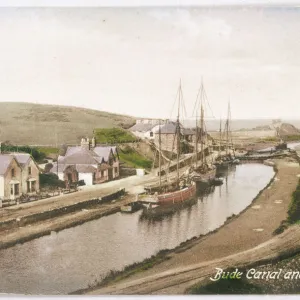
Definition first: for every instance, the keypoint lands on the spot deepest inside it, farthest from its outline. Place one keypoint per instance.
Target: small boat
(204, 176)
(216, 181)
(236, 161)
(281, 146)
(131, 207)
(158, 212)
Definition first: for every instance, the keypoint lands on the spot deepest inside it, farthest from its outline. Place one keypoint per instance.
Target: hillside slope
(37, 124)
(288, 129)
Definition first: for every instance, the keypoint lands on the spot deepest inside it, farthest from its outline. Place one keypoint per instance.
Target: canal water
(74, 258)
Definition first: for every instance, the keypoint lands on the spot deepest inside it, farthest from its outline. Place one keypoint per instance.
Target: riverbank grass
(114, 276)
(293, 212)
(227, 286)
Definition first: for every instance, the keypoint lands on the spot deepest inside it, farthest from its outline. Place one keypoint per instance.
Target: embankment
(58, 219)
(56, 212)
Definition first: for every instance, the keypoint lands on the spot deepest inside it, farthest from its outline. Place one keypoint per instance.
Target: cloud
(193, 24)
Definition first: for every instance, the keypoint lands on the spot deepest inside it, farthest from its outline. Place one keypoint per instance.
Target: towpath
(248, 230)
(131, 184)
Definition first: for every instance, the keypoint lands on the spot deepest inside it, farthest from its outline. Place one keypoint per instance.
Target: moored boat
(204, 177)
(217, 181)
(179, 189)
(178, 196)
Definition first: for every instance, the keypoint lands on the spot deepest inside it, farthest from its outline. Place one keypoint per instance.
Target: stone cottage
(168, 136)
(19, 175)
(88, 162)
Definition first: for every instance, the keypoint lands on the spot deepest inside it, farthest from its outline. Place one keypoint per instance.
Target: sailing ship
(229, 158)
(204, 173)
(182, 188)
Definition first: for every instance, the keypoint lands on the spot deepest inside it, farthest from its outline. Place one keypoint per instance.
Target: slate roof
(188, 131)
(22, 158)
(72, 150)
(169, 128)
(104, 152)
(83, 159)
(142, 127)
(5, 160)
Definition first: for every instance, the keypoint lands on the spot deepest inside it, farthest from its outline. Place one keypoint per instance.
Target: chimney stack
(85, 143)
(93, 142)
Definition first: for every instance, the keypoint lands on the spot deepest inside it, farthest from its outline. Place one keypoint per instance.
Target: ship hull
(177, 196)
(211, 174)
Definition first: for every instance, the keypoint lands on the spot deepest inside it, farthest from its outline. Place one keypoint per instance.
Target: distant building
(149, 129)
(168, 136)
(19, 175)
(88, 162)
(145, 128)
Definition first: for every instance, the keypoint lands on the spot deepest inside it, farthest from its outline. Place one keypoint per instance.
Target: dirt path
(18, 211)
(177, 280)
(253, 227)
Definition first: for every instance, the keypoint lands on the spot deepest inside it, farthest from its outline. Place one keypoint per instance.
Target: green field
(133, 159)
(113, 136)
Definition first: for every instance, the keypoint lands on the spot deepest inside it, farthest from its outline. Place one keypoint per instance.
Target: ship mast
(159, 153)
(196, 144)
(227, 130)
(220, 132)
(178, 131)
(202, 125)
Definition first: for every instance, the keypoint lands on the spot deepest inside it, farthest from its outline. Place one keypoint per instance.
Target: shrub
(294, 208)
(113, 136)
(34, 152)
(80, 183)
(48, 167)
(132, 158)
(51, 180)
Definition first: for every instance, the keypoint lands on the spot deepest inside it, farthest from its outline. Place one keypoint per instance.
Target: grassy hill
(37, 124)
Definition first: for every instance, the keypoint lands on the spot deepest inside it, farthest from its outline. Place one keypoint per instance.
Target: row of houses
(89, 163)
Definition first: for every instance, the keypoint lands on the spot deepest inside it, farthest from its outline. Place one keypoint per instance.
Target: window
(11, 190)
(29, 170)
(116, 170)
(12, 172)
(102, 173)
(151, 134)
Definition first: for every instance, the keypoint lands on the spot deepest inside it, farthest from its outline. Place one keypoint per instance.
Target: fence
(36, 197)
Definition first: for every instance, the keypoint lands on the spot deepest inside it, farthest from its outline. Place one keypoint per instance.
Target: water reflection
(75, 257)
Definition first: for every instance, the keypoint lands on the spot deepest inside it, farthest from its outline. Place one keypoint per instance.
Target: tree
(63, 150)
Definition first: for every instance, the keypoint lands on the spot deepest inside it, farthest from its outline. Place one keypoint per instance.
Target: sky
(130, 61)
